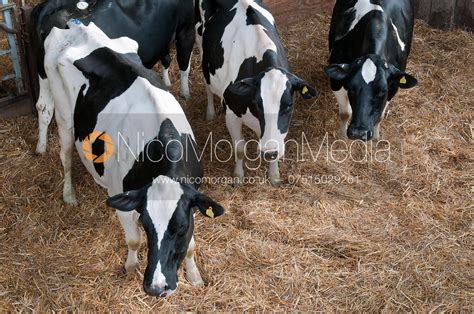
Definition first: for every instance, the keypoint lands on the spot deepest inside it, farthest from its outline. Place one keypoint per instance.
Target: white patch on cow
(369, 71)
(400, 42)
(272, 87)
(240, 41)
(361, 8)
(162, 199)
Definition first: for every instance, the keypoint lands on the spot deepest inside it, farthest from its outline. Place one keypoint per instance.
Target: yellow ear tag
(210, 212)
(403, 80)
(305, 90)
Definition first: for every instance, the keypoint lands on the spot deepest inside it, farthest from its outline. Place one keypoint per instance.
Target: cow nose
(269, 156)
(363, 134)
(155, 290)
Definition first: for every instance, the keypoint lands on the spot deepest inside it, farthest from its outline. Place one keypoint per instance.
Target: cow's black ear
(243, 88)
(338, 72)
(407, 81)
(307, 91)
(128, 201)
(207, 206)
(403, 79)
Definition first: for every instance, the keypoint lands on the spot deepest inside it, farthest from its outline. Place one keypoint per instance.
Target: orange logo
(87, 147)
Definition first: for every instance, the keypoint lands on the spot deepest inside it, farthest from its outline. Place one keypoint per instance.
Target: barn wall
(444, 14)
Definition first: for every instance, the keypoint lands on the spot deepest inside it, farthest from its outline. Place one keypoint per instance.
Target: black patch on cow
(110, 74)
(169, 154)
(98, 149)
(213, 52)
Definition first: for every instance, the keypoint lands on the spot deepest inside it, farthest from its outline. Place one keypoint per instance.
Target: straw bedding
(398, 238)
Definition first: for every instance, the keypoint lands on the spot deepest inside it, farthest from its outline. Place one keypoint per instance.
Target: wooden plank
(464, 16)
(17, 106)
(289, 12)
(442, 14)
(422, 9)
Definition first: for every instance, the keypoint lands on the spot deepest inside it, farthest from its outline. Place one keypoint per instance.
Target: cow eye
(381, 94)
(289, 108)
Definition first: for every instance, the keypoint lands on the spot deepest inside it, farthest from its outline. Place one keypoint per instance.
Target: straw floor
(394, 236)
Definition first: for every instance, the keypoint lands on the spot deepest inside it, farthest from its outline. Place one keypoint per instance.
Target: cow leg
(274, 173)
(129, 221)
(66, 140)
(45, 108)
(166, 75)
(184, 49)
(234, 125)
(165, 66)
(377, 126)
(192, 272)
(345, 111)
(211, 110)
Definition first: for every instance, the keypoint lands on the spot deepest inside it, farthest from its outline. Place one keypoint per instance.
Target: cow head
(166, 214)
(269, 98)
(370, 81)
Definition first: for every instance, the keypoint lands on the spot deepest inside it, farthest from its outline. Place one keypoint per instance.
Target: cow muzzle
(270, 155)
(358, 133)
(156, 291)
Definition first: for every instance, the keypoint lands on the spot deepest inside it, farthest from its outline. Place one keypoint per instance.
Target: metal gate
(17, 100)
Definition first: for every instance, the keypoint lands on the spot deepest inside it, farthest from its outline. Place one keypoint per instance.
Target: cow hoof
(70, 199)
(130, 269)
(238, 181)
(276, 182)
(186, 96)
(210, 116)
(40, 150)
(195, 279)
(342, 134)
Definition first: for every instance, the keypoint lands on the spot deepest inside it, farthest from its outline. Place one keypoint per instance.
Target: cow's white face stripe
(369, 71)
(162, 200)
(361, 8)
(272, 87)
(159, 279)
(400, 42)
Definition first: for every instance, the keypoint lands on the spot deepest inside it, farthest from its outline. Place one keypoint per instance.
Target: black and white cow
(245, 65)
(133, 137)
(369, 44)
(153, 24)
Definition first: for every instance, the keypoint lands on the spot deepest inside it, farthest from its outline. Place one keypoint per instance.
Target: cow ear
(407, 81)
(338, 72)
(243, 88)
(403, 79)
(128, 201)
(307, 91)
(207, 206)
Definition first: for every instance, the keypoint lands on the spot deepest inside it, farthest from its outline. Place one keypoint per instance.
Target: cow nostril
(359, 134)
(269, 156)
(155, 291)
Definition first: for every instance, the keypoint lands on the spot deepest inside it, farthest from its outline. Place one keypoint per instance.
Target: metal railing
(8, 26)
